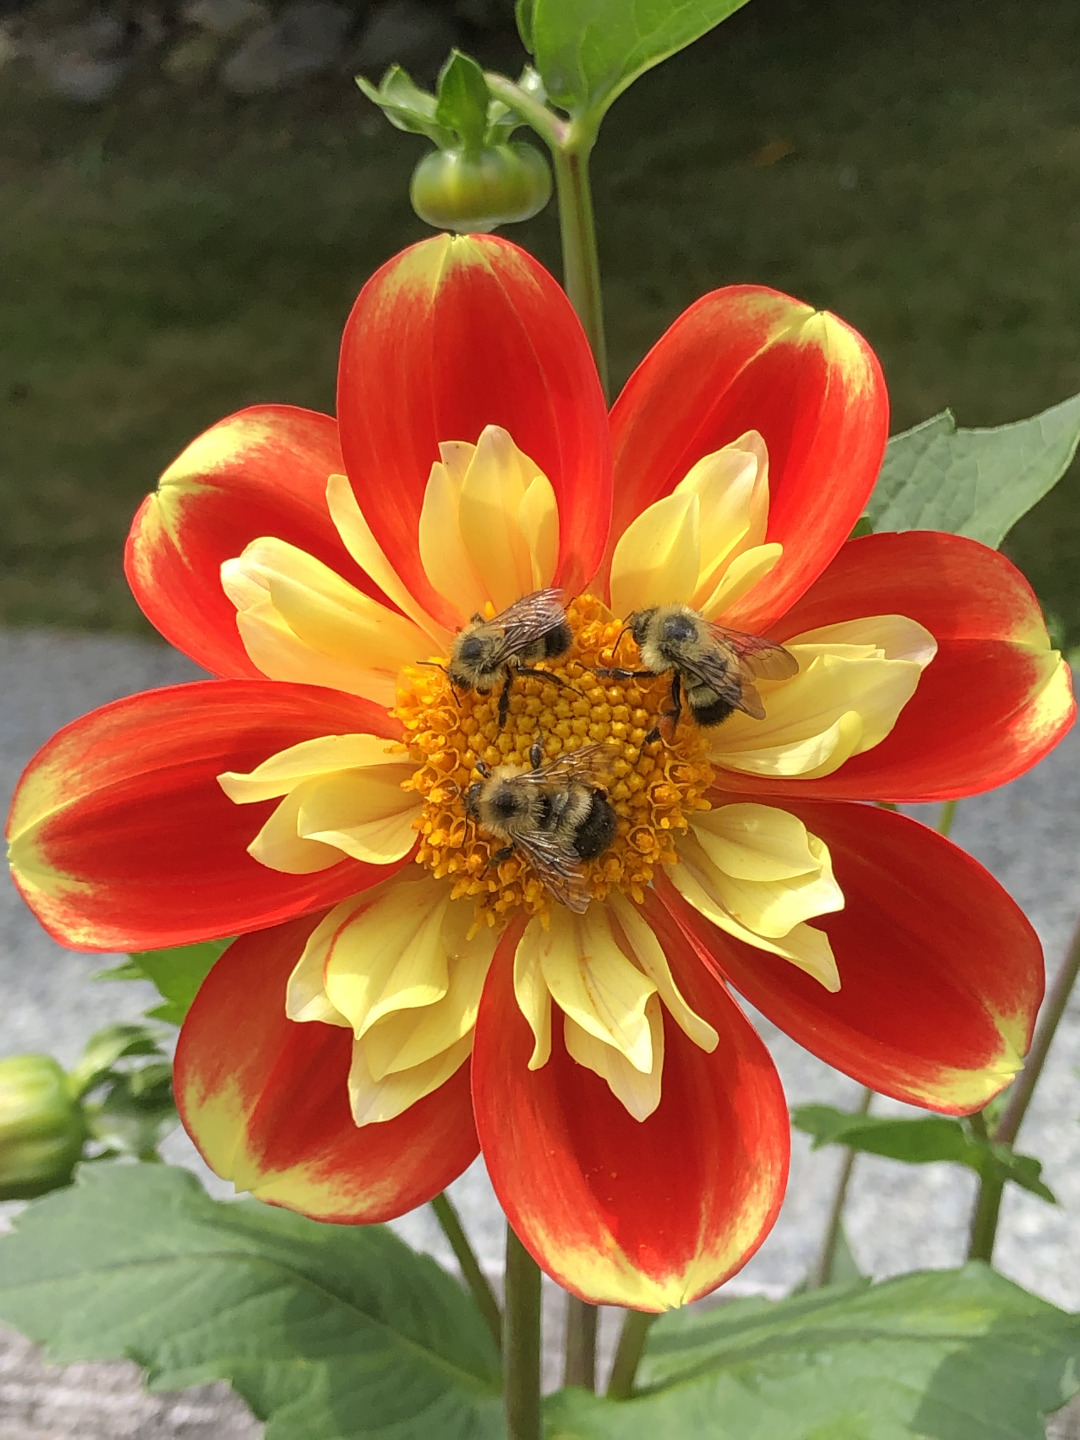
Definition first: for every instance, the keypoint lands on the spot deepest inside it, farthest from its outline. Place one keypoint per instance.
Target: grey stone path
(900, 1218)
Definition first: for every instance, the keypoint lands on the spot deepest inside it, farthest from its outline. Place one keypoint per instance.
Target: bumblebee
(556, 814)
(712, 667)
(486, 652)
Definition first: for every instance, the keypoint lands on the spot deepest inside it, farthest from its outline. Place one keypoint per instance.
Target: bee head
(638, 624)
(470, 648)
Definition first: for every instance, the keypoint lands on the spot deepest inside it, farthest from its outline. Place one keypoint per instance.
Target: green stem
(545, 122)
(521, 1342)
(473, 1275)
(947, 816)
(984, 1221)
(635, 1329)
(579, 1366)
(822, 1271)
(577, 229)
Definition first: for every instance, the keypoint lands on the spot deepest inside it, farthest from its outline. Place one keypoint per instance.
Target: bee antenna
(618, 640)
(435, 665)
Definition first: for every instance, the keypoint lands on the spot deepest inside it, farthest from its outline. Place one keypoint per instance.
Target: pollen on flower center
(654, 787)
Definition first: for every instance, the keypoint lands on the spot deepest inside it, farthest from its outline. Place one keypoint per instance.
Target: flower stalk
(577, 230)
(465, 1255)
(521, 1342)
(822, 1272)
(635, 1331)
(984, 1223)
(580, 1357)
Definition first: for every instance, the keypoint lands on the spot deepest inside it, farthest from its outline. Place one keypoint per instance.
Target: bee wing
(529, 618)
(591, 765)
(730, 681)
(756, 655)
(558, 868)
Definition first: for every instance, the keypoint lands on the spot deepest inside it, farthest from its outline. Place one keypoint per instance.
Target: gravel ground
(1028, 833)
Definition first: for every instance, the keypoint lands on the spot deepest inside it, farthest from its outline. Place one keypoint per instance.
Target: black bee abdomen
(597, 830)
(557, 640)
(713, 711)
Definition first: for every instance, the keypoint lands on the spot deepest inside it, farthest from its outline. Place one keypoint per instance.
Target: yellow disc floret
(655, 784)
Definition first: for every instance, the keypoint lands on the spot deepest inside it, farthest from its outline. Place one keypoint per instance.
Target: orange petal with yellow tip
(121, 837)
(266, 1100)
(941, 975)
(262, 471)
(453, 335)
(650, 1213)
(749, 358)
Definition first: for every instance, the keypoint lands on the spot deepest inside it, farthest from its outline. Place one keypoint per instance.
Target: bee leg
(536, 753)
(669, 721)
(504, 698)
(547, 675)
(498, 858)
(617, 674)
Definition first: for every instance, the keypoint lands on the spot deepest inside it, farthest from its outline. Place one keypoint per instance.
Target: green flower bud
(42, 1128)
(476, 191)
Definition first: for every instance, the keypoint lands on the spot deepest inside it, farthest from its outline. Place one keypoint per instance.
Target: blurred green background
(174, 254)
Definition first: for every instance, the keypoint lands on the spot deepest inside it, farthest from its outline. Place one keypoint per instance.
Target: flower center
(654, 785)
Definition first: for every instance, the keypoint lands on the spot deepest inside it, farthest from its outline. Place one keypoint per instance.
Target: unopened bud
(42, 1127)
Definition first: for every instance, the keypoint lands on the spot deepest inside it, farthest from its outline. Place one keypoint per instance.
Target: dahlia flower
(401, 995)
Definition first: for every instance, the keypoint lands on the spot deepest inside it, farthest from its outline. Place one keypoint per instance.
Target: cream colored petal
(596, 984)
(538, 517)
(390, 954)
(443, 555)
(305, 994)
(374, 1100)
(638, 1091)
(768, 906)
(804, 946)
(301, 621)
(362, 546)
(365, 813)
(311, 760)
(845, 699)
(408, 1038)
(648, 952)
(738, 579)
(756, 842)
(732, 485)
(658, 555)
(279, 846)
(531, 991)
(491, 494)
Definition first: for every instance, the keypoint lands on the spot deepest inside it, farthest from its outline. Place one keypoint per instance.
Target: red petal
(940, 973)
(645, 1214)
(266, 1100)
(994, 700)
(749, 358)
(260, 472)
(122, 838)
(454, 334)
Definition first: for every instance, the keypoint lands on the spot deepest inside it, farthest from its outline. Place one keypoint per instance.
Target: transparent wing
(724, 672)
(758, 656)
(591, 765)
(558, 868)
(527, 619)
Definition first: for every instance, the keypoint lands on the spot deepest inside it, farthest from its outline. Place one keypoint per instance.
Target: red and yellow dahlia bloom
(395, 1002)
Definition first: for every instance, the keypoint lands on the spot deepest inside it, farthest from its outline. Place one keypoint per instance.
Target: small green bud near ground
(42, 1127)
(454, 190)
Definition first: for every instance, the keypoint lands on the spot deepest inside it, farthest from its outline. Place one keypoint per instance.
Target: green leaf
(941, 1355)
(462, 100)
(973, 482)
(106, 1048)
(176, 974)
(919, 1141)
(589, 51)
(405, 105)
(334, 1331)
(523, 14)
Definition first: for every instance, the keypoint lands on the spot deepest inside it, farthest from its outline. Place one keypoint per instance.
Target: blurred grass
(173, 256)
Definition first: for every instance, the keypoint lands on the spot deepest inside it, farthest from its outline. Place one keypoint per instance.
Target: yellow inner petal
(854, 679)
(704, 544)
(489, 527)
(300, 621)
(758, 873)
(397, 966)
(342, 795)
